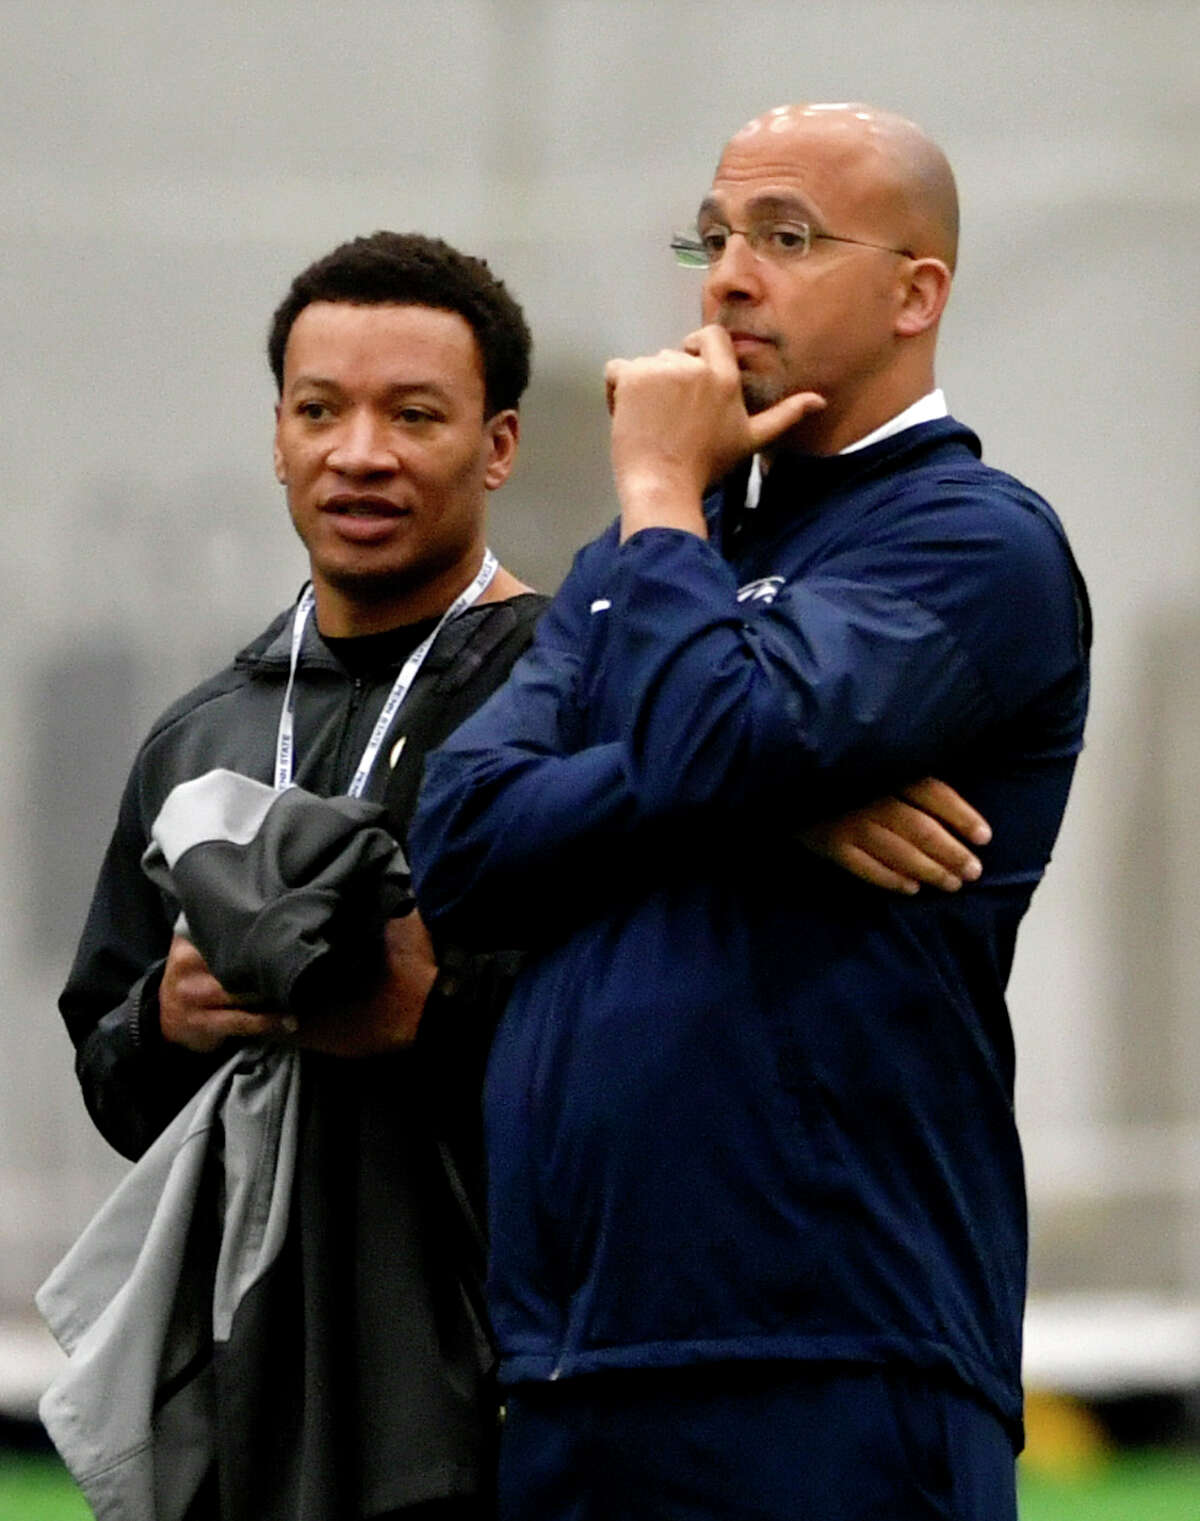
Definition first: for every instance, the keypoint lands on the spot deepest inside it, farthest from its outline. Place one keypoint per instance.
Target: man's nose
(737, 273)
(363, 446)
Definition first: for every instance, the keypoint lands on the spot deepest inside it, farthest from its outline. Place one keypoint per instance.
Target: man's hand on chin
(679, 423)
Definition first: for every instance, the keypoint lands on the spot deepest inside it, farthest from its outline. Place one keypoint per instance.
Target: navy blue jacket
(740, 1105)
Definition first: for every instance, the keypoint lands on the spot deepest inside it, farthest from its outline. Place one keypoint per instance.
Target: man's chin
(372, 586)
(758, 395)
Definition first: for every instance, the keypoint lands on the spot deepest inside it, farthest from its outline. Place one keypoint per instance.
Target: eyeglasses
(776, 242)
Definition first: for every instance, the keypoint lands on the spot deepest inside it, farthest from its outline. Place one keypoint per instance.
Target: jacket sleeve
(133, 1082)
(653, 696)
(538, 800)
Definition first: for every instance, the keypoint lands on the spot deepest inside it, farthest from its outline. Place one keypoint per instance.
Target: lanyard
(285, 742)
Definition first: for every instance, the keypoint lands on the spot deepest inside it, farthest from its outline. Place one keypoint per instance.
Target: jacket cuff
(145, 1026)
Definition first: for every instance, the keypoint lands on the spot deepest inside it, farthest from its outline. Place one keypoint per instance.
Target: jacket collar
(271, 652)
(803, 482)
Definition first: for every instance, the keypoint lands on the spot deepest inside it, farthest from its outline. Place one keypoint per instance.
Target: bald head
(864, 163)
(853, 311)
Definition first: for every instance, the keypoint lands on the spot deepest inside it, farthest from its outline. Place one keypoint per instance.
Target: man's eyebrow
(771, 204)
(310, 380)
(317, 382)
(420, 387)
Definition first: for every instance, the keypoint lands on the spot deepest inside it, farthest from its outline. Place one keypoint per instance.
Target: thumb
(766, 427)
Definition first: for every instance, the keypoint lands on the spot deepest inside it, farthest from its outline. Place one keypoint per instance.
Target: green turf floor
(1151, 1487)
(37, 1488)
(1138, 1487)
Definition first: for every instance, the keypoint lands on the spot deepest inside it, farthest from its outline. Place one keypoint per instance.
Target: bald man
(757, 1203)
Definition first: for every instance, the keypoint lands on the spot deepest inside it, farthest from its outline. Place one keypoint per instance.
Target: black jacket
(370, 1375)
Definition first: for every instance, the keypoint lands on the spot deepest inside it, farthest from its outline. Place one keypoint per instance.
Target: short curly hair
(409, 269)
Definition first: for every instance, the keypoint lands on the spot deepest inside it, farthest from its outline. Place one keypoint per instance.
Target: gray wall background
(165, 171)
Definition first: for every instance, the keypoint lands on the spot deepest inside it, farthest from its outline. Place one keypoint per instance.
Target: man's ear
(280, 474)
(926, 291)
(504, 435)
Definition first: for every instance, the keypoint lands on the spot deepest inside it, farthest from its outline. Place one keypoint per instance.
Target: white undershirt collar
(925, 410)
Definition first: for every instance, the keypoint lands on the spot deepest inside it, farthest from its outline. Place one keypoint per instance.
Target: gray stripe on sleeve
(220, 805)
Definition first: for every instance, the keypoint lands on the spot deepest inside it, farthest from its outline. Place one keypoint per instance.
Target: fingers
(183, 958)
(244, 1024)
(680, 424)
(917, 847)
(711, 345)
(939, 799)
(204, 1028)
(867, 868)
(196, 1012)
(627, 380)
(845, 842)
(186, 974)
(895, 845)
(714, 346)
(407, 938)
(617, 371)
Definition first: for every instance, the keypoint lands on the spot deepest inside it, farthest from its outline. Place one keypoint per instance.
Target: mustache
(736, 325)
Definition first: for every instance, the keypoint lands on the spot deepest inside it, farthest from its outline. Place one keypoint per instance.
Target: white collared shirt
(931, 405)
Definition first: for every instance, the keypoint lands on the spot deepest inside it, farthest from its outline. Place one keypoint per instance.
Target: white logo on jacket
(764, 589)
